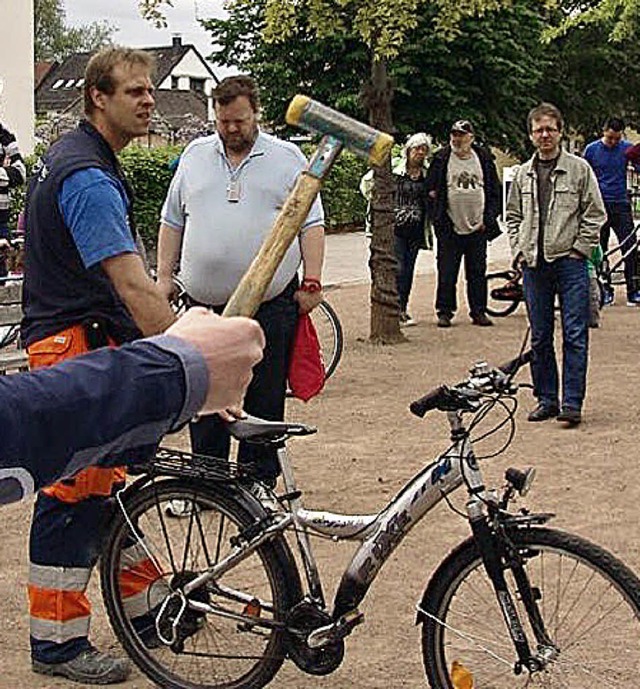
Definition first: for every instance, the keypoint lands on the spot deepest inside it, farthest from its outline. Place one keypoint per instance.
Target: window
(58, 84)
(196, 84)
(175, 83)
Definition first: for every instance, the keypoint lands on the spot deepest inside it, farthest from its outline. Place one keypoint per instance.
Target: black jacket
(437, 183)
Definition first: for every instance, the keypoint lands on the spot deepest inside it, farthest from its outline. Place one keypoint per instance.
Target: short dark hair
(615, 123)
(231, 88)
(99, 71)
(545, 110)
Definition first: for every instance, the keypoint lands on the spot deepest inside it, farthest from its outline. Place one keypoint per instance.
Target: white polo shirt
(225, 214)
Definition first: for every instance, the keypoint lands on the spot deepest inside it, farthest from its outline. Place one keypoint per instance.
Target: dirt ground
(369, 445)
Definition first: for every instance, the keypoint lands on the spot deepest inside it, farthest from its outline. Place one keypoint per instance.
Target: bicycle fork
(492, 550)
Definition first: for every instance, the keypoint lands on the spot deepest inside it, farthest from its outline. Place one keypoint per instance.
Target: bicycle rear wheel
(499, 308)
(234, 638)
(589, 601)
(329, 329)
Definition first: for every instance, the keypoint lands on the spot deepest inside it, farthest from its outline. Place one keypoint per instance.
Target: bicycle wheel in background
(497, 284)
(148, 559)
(589, 601)
(329, 329)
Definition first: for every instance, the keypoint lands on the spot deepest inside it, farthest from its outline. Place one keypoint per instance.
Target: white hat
(419, 139)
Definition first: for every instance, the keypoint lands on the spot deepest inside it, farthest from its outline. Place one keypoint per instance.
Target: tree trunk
(385, 311)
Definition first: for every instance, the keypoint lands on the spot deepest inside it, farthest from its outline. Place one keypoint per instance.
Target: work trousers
(266, 393)
(569, 279)
(452, 248)
(67, 530)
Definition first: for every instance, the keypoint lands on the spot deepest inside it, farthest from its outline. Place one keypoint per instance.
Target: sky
(136, 32)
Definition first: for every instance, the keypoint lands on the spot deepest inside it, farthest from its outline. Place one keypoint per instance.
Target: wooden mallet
(339, 131)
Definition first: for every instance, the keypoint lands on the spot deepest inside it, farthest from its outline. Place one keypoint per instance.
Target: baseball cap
(462, 126)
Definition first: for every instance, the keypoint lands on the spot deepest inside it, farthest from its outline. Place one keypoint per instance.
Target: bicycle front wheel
(589, 602)
(228, 631)
(329, 329)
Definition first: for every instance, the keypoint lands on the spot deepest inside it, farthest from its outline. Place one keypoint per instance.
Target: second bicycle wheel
(589, 601)
(503, 306)
(224, 633)
(329, 329)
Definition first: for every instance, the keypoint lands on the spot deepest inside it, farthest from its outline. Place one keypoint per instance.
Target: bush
(148, 172)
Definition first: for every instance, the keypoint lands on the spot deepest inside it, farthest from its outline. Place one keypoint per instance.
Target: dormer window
(196, 84)
(58, 84)
(70, 83)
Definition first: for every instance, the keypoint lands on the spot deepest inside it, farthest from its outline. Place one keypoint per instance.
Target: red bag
(306, 365)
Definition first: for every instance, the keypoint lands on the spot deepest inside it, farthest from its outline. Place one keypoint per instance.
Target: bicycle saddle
(254, 428)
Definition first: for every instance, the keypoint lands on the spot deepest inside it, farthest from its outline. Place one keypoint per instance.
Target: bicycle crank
(335, 631)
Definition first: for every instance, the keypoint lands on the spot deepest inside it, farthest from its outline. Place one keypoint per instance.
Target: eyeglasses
(545, 130)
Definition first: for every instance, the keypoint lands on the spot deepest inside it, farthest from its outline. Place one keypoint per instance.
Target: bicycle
(504, 292)
(611, 272)
(217, 599)
(324, 317)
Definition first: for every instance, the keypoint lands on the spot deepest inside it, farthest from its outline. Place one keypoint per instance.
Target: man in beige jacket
(554, 215)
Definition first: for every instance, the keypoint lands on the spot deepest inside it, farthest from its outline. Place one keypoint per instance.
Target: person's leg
(267, 391)
(622, 224)
(448, 257)
(540, 291)
(67, 531)
(573, 288)
(404, 274)
(475, 267)
(594, 303)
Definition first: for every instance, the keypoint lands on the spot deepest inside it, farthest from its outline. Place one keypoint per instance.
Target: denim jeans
(406, 254)
(569, 279)
(451, 248)
(620, 218)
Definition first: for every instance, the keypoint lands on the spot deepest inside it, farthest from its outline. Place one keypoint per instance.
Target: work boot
(543, 412)
(571, 417)
(482, 320)
(89, 667)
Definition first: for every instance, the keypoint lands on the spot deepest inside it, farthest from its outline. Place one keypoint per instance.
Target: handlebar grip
(428, 402)
(512, 367)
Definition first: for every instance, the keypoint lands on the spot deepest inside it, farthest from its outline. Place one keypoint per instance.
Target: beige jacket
(576, 211)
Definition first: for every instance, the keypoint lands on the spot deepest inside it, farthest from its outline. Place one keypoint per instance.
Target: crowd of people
(86, 288)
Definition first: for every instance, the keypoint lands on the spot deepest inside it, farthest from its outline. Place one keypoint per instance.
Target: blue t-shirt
(94, 207)
(610, 166)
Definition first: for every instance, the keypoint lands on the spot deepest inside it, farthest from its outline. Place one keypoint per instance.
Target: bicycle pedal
(294, 495)
(335, 631)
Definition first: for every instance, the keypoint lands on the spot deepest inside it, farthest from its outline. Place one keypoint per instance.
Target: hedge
(149, 173)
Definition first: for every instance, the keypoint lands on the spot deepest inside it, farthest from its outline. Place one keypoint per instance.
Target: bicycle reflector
(461, 678)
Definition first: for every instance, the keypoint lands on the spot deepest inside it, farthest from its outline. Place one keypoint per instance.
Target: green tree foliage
(54, 40)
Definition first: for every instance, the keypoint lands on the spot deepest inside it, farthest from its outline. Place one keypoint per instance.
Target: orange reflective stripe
(57, 606)
(88, 482)
(138, 578)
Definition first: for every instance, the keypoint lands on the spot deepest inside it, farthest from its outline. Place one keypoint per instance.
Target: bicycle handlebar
(463, 395)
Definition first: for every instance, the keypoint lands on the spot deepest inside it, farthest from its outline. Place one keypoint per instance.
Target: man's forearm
(169, 242)
(109, 407)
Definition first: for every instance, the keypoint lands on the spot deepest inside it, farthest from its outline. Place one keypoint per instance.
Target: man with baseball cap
(464, 204)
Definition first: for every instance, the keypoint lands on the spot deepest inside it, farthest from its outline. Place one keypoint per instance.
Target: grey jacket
(576, 211)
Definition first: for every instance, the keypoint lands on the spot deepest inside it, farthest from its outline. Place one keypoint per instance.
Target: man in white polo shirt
(226, 193)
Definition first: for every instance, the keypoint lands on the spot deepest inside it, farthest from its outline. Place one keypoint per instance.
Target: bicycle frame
(378, 534)
(632, 240)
